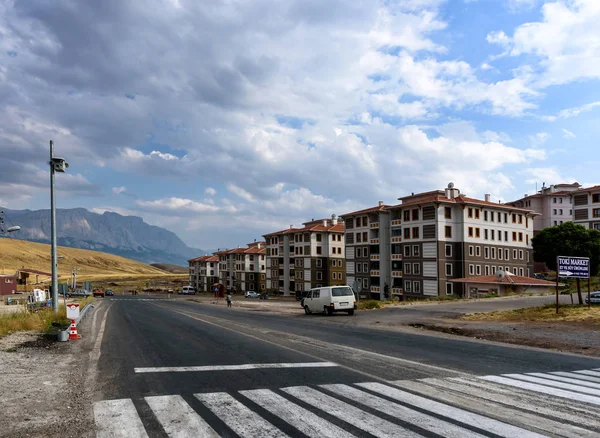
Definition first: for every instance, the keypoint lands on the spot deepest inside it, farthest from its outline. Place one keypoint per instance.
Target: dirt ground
(42, 388)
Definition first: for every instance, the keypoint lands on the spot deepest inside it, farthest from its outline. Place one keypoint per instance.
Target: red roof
(367, 210)
(34, 271)
(277, 233)
(507, 279)
(589, 189)
(461, 199)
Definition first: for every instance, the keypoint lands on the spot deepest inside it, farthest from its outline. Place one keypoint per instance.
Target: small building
(8, 284)
(32, 276)
(503, 283)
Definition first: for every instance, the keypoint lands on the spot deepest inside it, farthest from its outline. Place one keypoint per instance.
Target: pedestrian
(228, 299)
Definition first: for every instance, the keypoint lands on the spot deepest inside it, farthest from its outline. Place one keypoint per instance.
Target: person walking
(228, 299)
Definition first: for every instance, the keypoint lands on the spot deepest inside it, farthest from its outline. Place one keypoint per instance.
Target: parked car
(330, 299)
(251, 294)
(594, 298)
(80, 293)
(98, 293)
(187, 290)
(109, 293)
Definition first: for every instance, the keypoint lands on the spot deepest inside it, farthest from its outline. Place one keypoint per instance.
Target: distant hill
(173, 269)
(126, 236)
(15, 254)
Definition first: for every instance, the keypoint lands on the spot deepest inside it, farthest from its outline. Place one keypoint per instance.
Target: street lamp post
(56, 165)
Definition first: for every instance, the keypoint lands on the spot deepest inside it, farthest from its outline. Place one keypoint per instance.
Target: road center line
(250, 366)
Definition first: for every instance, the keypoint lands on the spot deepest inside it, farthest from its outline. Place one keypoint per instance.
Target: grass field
(15, 254)
(570, 313)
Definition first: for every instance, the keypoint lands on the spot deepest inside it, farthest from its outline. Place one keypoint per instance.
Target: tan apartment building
(204, 272)
(243, 269)
(553, 205)
(299, 259)
(586, 207)
(368, 237)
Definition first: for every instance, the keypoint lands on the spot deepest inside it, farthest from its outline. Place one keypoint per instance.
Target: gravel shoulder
(42, 387)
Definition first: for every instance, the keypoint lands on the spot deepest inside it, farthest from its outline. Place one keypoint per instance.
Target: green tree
(568, 239)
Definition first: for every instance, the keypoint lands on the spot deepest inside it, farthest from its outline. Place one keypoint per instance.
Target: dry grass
(40, 321)
(567, 313)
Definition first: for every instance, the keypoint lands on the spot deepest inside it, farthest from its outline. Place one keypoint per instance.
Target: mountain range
(127, 236)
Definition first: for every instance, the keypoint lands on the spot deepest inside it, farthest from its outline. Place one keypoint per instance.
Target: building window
(471, 250)
(448, 231)
(470, 212)
(505, 218)
(486, 252)
(448, 269)
(493, 253)
(447, 212)
(319, 250)
(491, 216)
(416, 287)
(485, 215)
(521, 271)
(407, 287)
(478, 270)
(449, 288)
(476, 213)
(514, 254)
(485, 234)
(477, 232)
(365, 283)
(520, 237)
(500, 254)
(506, 236)
(416, 269)
(365, 237)
(407, 233)
(358, 253)
(514, 236)
(514, 217)
(406, 250)
(520, 254)
(596, 212)
(520, 218)
(319, 263)
(407, 268)
(478, 251)
(359, 268)
(554, 211)
(406, 215)
(416, 251)
(493, 269)
(358, 237)
(448, 250)
(554, 200)
(471, 269)
(415, 232)
(555, 223)
(506, 254)
(560, 211)
(527, 256)
(516, 271)
(319, 237)
(415, 214)
(487, 270)
(493, 233)
(470, 231)
(596, 198)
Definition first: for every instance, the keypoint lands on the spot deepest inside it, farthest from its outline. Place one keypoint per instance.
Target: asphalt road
(171, 367)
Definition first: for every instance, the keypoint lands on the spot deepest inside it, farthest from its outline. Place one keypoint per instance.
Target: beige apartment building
(299, 259)
(432, 238)
(586, 207)
(204, 272)
(243, 269)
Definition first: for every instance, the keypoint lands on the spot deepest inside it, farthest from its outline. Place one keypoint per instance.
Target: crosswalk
(565, 404)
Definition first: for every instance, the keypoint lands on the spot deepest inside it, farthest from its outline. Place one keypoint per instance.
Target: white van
(188, 290)
(330, 299)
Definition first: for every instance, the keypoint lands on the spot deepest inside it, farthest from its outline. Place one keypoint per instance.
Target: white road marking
(479, 421)
(250, 366)
(574, 375)
(302, 419)
(554, 383)
(348, 413)
(396, 410)
(238, 417)
(565, 380)
(544, 389)
(178, 418)
(92, 373)
(588, 373)
(118, 418)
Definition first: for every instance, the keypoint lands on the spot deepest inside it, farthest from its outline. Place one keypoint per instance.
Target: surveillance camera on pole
(56, 165)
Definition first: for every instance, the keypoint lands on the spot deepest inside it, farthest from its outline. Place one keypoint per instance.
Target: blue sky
(222, 121)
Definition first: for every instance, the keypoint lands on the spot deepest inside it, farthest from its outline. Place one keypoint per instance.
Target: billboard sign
(573, 267)
(72, 311)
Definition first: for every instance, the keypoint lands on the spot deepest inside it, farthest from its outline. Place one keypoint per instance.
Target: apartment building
(204, 272)
(446, 235)
(586, 207)
(243, 269)
(553, 205)
(368, 263)
(300, 259)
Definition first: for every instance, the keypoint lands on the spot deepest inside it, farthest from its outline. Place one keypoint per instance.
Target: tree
(568, 239)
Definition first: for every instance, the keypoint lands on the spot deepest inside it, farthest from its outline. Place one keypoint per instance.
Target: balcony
(374, 225)
(374, 257)
(396, 274)
(374, 241)
(397, 291)
(375, 273)
(375, 289)
(396, 239)
(396, 222)
(396, 256)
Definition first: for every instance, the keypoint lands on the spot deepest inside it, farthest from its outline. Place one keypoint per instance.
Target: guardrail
(83, 311)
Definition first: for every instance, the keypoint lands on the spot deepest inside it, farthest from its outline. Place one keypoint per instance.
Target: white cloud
(240, 192)
(119, 190)
(548, 175)
(568, 134)
(539, 139)
(572, 112)
(177, 205)
(209, 191)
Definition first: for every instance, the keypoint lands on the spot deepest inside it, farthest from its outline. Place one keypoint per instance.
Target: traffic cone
(73, 331)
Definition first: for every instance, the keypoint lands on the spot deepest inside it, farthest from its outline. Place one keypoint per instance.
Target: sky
(225, 120)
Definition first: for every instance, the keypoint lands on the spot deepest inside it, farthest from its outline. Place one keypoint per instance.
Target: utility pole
(56, 165)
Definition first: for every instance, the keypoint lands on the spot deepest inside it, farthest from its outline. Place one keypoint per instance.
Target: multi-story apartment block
(553, 204)
(243, 269)
(204, 272)
(586, 207)
(433, 237)
(299, 259)
(368, 262)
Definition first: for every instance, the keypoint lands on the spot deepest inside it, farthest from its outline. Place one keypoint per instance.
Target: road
(175, 368)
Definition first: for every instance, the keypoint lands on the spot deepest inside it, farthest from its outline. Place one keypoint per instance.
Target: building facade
(299, 259)
(586, 207)
(243, 269)
(553, 204)
(204, 272)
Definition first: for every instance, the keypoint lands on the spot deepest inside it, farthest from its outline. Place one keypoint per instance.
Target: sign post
(73, 311)
(572, 267)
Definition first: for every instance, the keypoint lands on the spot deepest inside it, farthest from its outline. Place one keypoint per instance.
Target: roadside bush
(32, 321)
(369, 304)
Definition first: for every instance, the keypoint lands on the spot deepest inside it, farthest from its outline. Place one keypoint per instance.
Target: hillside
(15, 254)
(173, 269)
(126, 236)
